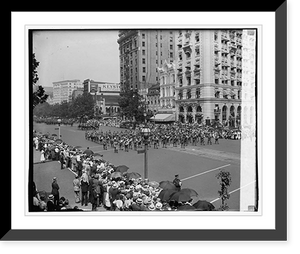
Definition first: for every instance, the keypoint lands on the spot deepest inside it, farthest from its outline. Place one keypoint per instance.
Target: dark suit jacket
(55, 188)
(84, 186)
(50, 206)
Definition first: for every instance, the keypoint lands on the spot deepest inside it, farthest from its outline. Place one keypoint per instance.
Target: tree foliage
(82, 105)
(132, 105)
(38, 95)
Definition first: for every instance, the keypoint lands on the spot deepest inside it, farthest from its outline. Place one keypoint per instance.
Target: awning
(163, 118)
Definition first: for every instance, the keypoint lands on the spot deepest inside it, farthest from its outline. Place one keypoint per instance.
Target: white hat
(151, 207)
(158, 205)
(139, 201)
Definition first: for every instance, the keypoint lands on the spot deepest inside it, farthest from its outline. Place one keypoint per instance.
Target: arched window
(224, 113)
(232, 111)
(198, 109)
(181, 109)
(190, 109)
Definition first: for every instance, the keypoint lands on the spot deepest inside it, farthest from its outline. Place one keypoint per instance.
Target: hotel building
(141, 52)
(209, 76)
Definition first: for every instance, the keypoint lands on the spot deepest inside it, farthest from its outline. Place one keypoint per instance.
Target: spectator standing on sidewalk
(76, 185)
(84, 189)
(55, 191)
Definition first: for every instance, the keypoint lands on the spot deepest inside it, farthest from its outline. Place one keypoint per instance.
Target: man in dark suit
(50, 204)
(55, 191)
(84, 192)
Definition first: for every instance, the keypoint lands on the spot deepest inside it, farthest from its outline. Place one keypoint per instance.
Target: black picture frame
(277, 234)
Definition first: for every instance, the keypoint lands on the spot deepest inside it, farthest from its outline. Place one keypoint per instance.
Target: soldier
(216, 138)
(104, 145)
(115, 146)
(202, 139)
(126, 143)
(209, 139)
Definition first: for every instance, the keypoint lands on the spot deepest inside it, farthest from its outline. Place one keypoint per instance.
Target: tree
(132, 106)
(225, 181)
(38, 95)
(82, 105)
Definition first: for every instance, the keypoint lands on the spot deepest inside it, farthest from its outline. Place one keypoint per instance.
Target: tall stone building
(209, 76)
(141, 52)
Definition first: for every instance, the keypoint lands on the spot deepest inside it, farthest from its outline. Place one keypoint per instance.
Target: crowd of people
(98, 182)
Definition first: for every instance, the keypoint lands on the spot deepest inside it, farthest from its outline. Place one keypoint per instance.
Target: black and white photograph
(149, 126)
(148, 120)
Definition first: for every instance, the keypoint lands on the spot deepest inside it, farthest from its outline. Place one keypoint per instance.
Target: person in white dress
(42, 159)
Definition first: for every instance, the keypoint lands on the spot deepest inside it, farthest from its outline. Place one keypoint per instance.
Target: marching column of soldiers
(133, 139)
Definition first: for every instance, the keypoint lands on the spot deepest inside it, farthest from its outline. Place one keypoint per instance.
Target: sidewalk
(43, 174)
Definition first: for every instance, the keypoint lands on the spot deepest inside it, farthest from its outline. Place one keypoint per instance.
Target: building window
(143, 60)
(180, 82)
(143, 44)
(143, 36)
(143, 52)
(180, 57)
(171, 46)
(188, 94)
(188, 79)
(143, 78)
(144, 69)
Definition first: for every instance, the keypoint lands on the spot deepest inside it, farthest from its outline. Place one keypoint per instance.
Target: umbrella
(203, 205)
(122, 168)
(167, 185)
(165, 195)
(180, 197)
(153, 184)
(186, 207)
(190, 192)
(54, 135)
(133, 175)
(88, 152)
(58, 140)
(116, 175)
(76, 147)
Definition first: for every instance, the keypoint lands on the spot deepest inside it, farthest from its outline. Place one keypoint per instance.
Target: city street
(197, 166)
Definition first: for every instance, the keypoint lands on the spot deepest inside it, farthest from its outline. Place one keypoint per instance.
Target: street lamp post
(59, 121)
(146, 133)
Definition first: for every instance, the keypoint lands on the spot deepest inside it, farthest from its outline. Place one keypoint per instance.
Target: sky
(78, 54)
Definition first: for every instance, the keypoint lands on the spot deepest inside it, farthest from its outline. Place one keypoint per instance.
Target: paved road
(196, 166)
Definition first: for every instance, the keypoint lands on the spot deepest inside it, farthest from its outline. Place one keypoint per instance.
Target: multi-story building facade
(153, 99)
(62, 90)
(167, 75)
(209, 76)
(141, 52)
(105, 95)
